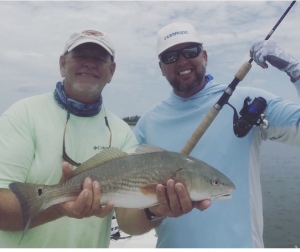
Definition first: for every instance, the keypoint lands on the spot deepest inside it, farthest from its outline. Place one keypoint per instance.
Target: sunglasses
(65, 155)
(188, 53)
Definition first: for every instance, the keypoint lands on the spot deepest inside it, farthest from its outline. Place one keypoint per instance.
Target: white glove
(268, 50)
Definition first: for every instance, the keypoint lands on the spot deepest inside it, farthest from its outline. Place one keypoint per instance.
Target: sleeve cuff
(297, 84)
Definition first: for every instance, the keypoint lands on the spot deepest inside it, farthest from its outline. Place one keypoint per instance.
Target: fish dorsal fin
(146, 148)
(99, 159)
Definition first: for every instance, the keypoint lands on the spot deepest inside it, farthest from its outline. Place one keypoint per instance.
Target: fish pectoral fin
(148, 189)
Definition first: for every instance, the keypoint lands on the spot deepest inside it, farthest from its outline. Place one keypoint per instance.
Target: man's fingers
(162, 197)
(92, 198)
(83, 205)
(264, 65)
(175, 201)
(96, 196)
(88, 201)
(87, 197)
(66, 171)
(75, 209)
(173, 198)
(184, 198)
(202, 205)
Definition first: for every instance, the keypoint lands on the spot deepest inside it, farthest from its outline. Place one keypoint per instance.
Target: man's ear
(112, 70)
(159, 63)
(205, 57)
(62, 65)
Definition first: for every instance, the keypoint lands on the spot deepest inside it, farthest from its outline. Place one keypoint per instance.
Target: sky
(33, 35)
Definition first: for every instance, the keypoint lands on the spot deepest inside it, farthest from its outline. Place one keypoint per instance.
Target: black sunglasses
(190, 52)
(65, 155)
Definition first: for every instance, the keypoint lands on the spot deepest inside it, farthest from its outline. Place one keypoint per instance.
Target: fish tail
(29, 199)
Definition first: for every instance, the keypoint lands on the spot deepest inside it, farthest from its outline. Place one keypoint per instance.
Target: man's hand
(174, 201)
(87, 203)
(268, 51)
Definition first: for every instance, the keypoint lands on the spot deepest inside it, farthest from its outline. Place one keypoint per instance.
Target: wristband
(152, 217)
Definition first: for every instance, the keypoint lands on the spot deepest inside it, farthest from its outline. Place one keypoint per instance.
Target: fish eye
(215, 182)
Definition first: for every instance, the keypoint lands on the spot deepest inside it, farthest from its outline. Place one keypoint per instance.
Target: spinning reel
(251, 114)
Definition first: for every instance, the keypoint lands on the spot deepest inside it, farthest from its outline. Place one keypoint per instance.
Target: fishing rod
(214, 111)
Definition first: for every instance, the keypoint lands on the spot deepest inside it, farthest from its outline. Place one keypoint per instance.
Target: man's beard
(189, 88)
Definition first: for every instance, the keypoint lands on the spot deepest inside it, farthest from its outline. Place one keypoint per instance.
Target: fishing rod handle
(243, 71)
(210, 116)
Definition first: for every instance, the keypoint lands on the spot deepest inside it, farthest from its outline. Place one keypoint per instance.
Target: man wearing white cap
(237, 222)
(69, 124)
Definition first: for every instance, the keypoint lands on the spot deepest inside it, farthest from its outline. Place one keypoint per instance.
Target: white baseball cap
(90, 36)
(174, 34)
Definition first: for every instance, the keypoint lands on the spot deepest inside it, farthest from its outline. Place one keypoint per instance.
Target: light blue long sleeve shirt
(233, 223)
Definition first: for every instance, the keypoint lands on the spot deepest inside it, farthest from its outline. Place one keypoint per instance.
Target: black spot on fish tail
(40, 191)
(29, 201)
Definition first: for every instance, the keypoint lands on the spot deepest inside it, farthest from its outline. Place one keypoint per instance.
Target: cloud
(33, 35)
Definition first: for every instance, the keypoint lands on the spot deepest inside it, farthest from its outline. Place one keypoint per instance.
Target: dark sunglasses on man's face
(187, 52)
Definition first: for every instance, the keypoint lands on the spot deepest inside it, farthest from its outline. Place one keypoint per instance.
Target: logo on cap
(174, 34)
(92, 33)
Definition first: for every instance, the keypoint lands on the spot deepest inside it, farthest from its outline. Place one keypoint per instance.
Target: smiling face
(186, 76)
(86, 70)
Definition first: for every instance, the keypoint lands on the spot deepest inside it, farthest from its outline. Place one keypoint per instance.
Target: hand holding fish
(88, 201)
(174, 200)
(132, 181)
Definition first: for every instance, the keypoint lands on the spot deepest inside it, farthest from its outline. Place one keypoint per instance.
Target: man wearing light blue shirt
(237, 222)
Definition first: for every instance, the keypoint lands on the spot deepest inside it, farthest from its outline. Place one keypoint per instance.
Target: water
(280, 177)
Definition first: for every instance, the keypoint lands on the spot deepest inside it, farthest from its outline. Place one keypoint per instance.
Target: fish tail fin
(29, 197)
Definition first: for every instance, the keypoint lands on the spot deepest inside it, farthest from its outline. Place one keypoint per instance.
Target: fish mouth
(222, 196)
